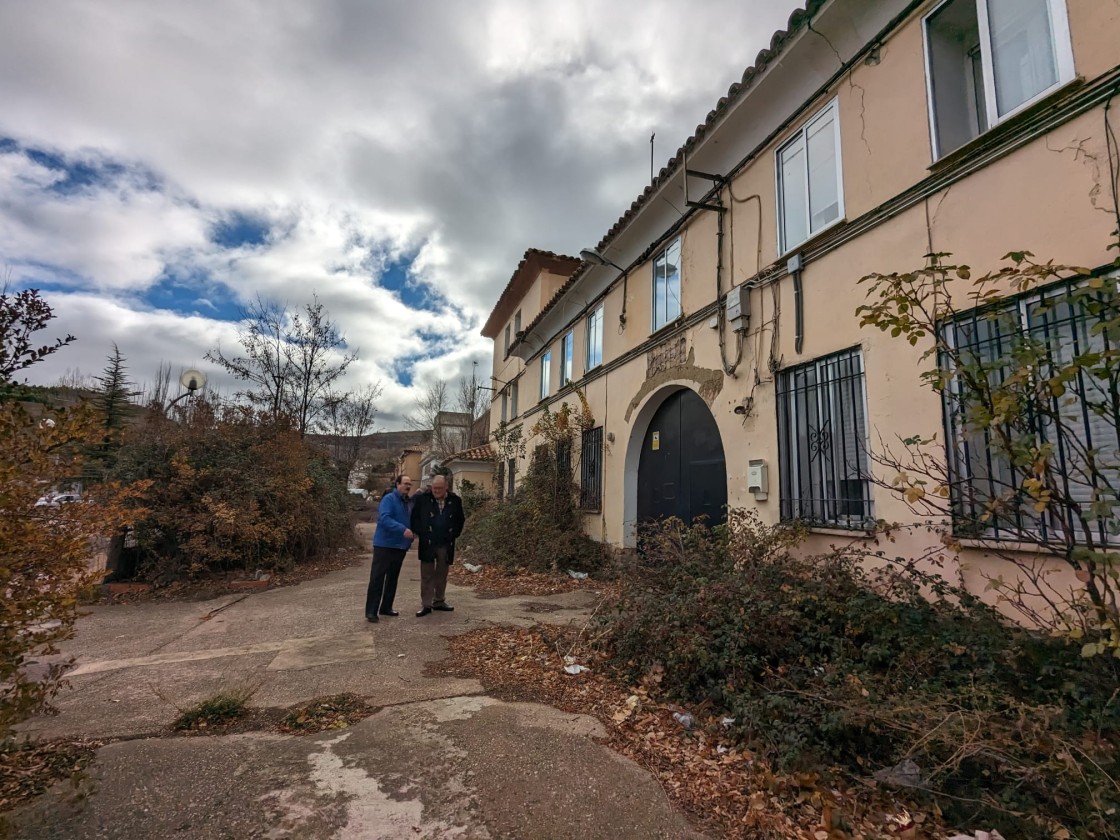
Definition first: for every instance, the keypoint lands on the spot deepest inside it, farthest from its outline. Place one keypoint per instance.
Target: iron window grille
(591, 470)
(822, 431)
(1081, 424)
(564, 458)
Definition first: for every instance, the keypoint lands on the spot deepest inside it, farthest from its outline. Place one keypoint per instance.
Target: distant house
(451, 432)
(408, 462)
(475, 465)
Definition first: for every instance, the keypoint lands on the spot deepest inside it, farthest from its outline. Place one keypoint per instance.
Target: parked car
(57, 499)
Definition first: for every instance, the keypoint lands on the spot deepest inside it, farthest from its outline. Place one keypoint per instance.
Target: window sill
(666, 330)
(836, 531)
(1009, 125)
(812, 240)
(1004, 545)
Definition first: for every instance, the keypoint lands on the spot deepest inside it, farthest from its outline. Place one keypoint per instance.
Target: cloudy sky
(164, 163)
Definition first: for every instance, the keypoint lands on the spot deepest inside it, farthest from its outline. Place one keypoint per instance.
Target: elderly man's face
(405, 485)
(439, 487)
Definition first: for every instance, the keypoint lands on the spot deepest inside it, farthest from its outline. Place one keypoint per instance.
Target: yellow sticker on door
(656, 441)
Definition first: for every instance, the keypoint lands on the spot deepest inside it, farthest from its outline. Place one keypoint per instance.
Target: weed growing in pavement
(214, 710)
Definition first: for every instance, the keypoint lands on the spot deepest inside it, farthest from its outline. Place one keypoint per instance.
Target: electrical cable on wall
(1113, 148)
(721, 309)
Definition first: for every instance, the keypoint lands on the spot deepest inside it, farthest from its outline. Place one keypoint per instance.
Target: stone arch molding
(707, 382)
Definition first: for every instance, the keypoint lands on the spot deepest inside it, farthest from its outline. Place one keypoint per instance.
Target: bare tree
(161, 387)
(312, 350)
(74, 380)
(346, 419)
(289, 361)
(472, 401)
(433, 400)
(264, 365)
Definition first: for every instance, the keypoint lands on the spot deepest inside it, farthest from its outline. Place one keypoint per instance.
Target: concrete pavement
(440, 758)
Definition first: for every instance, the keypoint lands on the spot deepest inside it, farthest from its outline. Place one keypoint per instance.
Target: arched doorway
(681, 468)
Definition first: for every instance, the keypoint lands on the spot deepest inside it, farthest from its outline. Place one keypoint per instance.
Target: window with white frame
(517, 323)
(595, 338)
(667, 285)
(513, 399)
(1081, 426)
(810, 183)
(546, 373)
(505, 404)
(567, 357)
(507, 339)
(822, 440)
(988, 59)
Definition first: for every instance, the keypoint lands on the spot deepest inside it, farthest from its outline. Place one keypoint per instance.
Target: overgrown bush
(45, 550)
(827, 662)
(473, 495)
(230, 491)
(539, 528)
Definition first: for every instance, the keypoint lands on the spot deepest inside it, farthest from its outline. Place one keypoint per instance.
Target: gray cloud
(363, 131)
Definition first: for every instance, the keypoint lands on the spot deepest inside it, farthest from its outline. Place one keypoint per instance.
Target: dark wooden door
(681, 471)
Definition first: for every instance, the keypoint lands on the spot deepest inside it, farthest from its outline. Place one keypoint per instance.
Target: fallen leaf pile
(324, 713)
(723, 787)
(27, 771)
(492, 582)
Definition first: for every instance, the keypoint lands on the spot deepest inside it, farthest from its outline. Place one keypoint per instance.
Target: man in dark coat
(437, 521)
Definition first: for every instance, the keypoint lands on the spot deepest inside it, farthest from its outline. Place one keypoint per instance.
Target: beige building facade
(715, 321)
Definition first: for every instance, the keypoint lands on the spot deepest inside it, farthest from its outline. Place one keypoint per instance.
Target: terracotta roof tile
(477, 453)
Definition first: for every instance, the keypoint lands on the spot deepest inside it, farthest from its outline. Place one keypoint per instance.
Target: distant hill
(385, 441)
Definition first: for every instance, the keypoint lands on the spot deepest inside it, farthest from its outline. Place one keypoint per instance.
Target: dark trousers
(433, 579)
(383, 576)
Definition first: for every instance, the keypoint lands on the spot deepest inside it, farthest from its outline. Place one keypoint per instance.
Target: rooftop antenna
(651, 157)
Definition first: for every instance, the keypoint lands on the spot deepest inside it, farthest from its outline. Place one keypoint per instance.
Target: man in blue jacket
(391, 541)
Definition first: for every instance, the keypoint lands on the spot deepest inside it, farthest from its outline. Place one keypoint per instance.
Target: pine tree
(115, 393)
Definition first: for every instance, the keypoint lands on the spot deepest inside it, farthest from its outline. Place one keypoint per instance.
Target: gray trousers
(433, 579)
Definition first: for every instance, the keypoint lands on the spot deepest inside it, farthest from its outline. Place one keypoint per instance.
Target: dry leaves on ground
(324, 713)
(492, 582)
(28, 770)
(725, 789)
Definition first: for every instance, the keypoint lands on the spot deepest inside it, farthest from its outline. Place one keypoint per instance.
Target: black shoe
(424, 612)
(389, 612)
(370, 617)
(443, 607)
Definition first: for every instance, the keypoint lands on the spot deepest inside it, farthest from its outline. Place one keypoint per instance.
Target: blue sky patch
(397, 277)
(80, 175)
(239, 230)
(193, 294)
